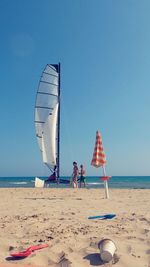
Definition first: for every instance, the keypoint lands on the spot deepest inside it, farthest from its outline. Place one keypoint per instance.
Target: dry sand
(59, 217)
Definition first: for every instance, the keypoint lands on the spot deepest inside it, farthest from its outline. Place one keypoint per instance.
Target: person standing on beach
(75, 175)
(82, 175)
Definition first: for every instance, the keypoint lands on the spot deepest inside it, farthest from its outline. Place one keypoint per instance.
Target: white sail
(46, 114)
(49, 145)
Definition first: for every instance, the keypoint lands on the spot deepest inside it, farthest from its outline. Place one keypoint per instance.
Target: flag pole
(105, 183)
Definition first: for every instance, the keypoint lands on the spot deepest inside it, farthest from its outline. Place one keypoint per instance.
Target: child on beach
(82, 176)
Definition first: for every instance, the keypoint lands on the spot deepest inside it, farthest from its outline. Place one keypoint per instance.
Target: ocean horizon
(120, 182)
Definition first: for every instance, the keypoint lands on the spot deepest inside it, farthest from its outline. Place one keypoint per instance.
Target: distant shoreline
(121, 182)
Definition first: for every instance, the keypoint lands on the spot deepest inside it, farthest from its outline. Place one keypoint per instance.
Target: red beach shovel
(28, 251)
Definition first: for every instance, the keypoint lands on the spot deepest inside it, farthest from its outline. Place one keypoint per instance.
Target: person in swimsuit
(82, 176)
(75, 175)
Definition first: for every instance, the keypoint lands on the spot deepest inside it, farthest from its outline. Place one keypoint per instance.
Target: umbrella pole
(105, 184)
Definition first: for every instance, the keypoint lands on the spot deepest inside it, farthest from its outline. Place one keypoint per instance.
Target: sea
(121, 182)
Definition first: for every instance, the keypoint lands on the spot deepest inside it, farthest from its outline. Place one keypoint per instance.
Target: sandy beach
(59, 218)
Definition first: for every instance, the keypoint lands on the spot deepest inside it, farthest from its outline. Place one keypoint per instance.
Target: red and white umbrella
(99, 159)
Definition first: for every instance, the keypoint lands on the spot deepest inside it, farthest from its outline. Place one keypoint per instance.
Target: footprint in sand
(148, 251)
(144, 231)
(63, 261)
(129, 249)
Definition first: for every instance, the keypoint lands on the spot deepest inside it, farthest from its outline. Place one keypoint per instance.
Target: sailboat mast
(58, 143)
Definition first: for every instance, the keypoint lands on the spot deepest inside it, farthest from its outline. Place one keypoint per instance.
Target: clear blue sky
(104, 50)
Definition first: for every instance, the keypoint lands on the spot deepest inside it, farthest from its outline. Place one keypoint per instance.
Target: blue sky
(104, 50)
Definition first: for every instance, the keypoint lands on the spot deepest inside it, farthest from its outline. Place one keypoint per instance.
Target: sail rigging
(47, 115)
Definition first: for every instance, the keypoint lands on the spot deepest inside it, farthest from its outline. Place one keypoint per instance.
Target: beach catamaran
(47, 118)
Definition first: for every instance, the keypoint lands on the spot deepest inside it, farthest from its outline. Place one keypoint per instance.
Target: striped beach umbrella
(99, 159)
